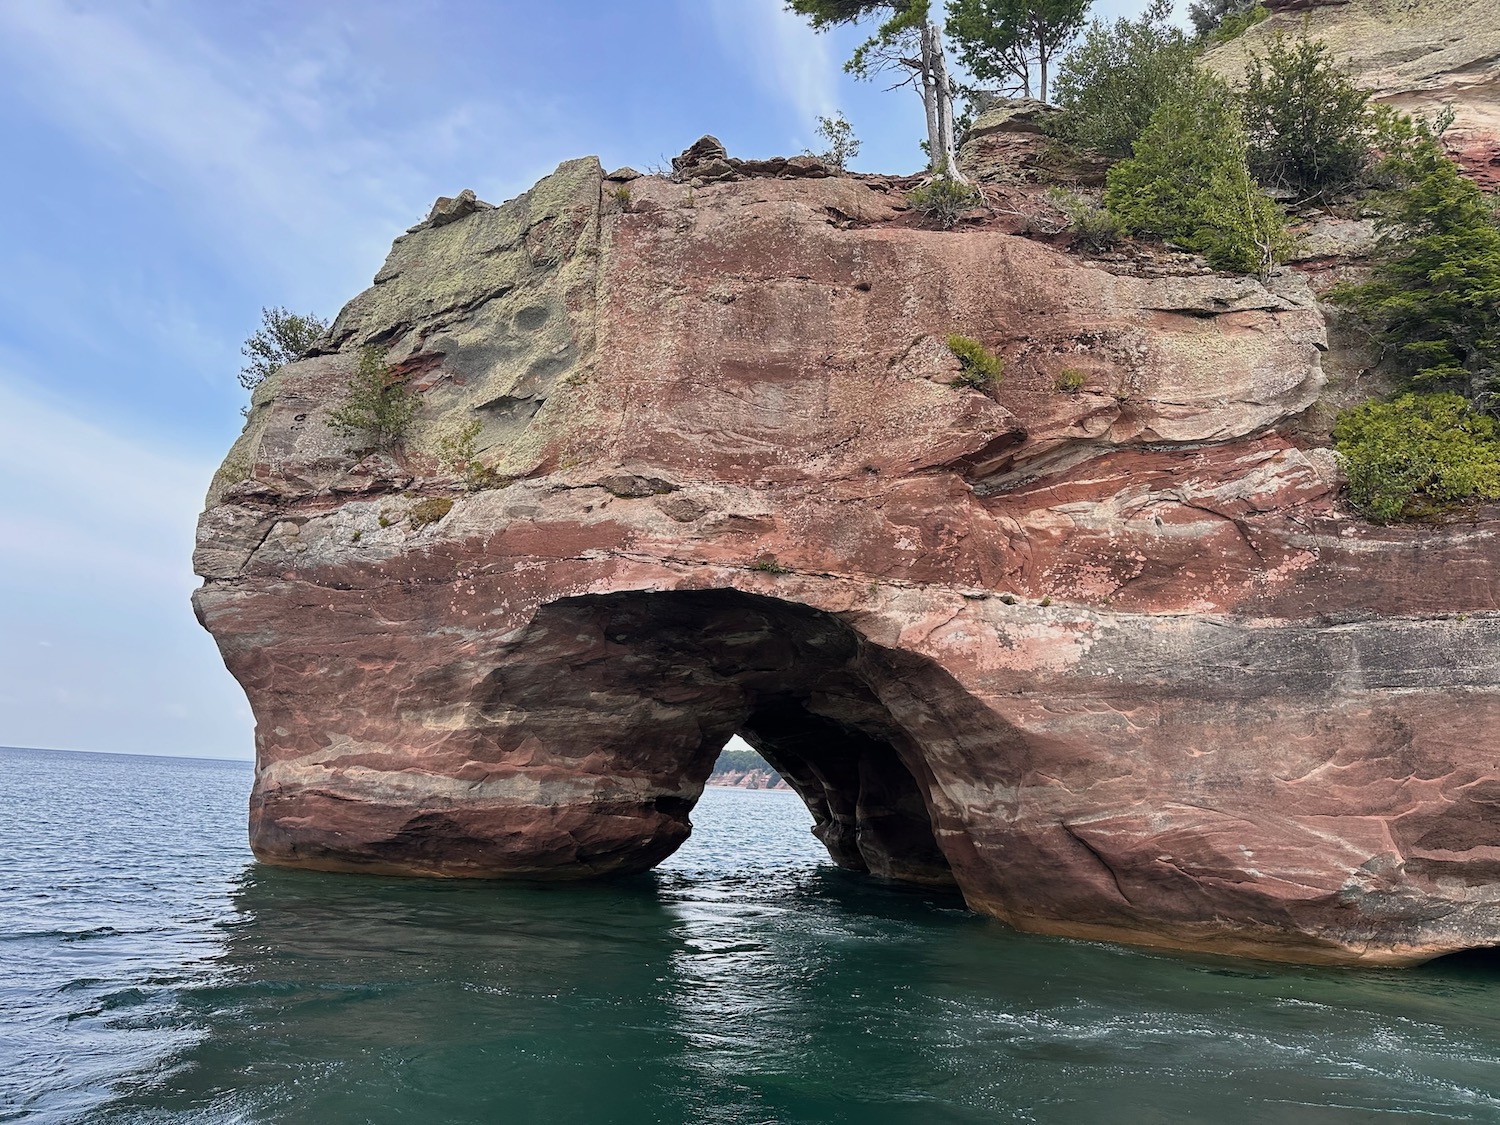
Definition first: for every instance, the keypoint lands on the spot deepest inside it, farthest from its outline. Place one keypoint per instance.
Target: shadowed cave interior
(655, 683)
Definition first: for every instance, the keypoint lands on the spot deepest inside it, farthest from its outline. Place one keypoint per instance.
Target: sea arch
(586, 745)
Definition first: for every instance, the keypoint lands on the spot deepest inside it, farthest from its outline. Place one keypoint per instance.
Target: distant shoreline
(129, 754)
(748, 779)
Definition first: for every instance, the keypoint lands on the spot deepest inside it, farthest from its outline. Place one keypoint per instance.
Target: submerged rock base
(1098, 646)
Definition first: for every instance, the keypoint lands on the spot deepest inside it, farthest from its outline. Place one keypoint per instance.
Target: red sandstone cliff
(1114, 660)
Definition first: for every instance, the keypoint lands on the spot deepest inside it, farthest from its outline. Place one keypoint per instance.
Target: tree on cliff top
(1001, 40)
(282, 337)
(1209, 16)
(1189, 182)
(1310, 125)
(908, 40)
(1114, 80)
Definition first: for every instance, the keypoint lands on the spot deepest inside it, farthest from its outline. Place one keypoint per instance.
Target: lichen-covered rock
(1098, 646)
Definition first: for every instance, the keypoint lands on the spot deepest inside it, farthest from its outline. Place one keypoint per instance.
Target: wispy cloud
(83, 504)
(100, 650)
(264, 154)
(782, 53)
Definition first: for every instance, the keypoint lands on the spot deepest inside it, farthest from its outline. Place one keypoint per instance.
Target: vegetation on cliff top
(906, 41)
(1007, 41)
(944, 200)
(1115, 78)
(1194, 154)
(1218, 21)
(282, 337)
(843, 145)
(1189, 182)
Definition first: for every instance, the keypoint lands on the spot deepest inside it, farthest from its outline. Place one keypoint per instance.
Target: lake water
(150, 971)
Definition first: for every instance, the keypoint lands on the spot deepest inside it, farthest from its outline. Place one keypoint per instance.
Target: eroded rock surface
(1109, 656)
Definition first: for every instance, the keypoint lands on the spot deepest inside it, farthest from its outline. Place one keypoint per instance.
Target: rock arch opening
(644, 689)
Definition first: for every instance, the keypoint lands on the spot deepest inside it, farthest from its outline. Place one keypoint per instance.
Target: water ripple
(149, 971)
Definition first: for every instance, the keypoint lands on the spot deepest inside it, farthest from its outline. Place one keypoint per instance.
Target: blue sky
(170, 166)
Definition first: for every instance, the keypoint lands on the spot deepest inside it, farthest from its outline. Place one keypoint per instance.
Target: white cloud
(98, 647)
(783, 54)
(83, 503)
(264, 151)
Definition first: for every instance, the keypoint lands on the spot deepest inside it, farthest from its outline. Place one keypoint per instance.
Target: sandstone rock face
(1008, 140)
(1110, 658)
(1418, 57)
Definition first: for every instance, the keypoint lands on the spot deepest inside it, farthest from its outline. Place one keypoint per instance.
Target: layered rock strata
(1098, 646)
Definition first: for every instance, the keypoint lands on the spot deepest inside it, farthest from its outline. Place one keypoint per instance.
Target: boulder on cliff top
(706, 161)
(1008, 141)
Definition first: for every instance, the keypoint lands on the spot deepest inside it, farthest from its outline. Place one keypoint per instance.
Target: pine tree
(1188, 182)
(1434, 297)
(1002, 40)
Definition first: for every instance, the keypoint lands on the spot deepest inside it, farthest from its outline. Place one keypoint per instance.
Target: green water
(150, 971)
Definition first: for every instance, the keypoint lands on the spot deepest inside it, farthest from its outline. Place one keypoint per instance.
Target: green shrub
(457, 455)
(282, 337)
(979, 368)
(1310, 127)
(843, 145)
(767, 564)
(944, 200)
(1434, 295)
(1188, 182)
(1115, 78)
(1417, 455)
(1092, 225)
(378, 404)
(1070, 380)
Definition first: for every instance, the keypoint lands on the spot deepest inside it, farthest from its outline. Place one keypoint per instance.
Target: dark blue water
(151, 972)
